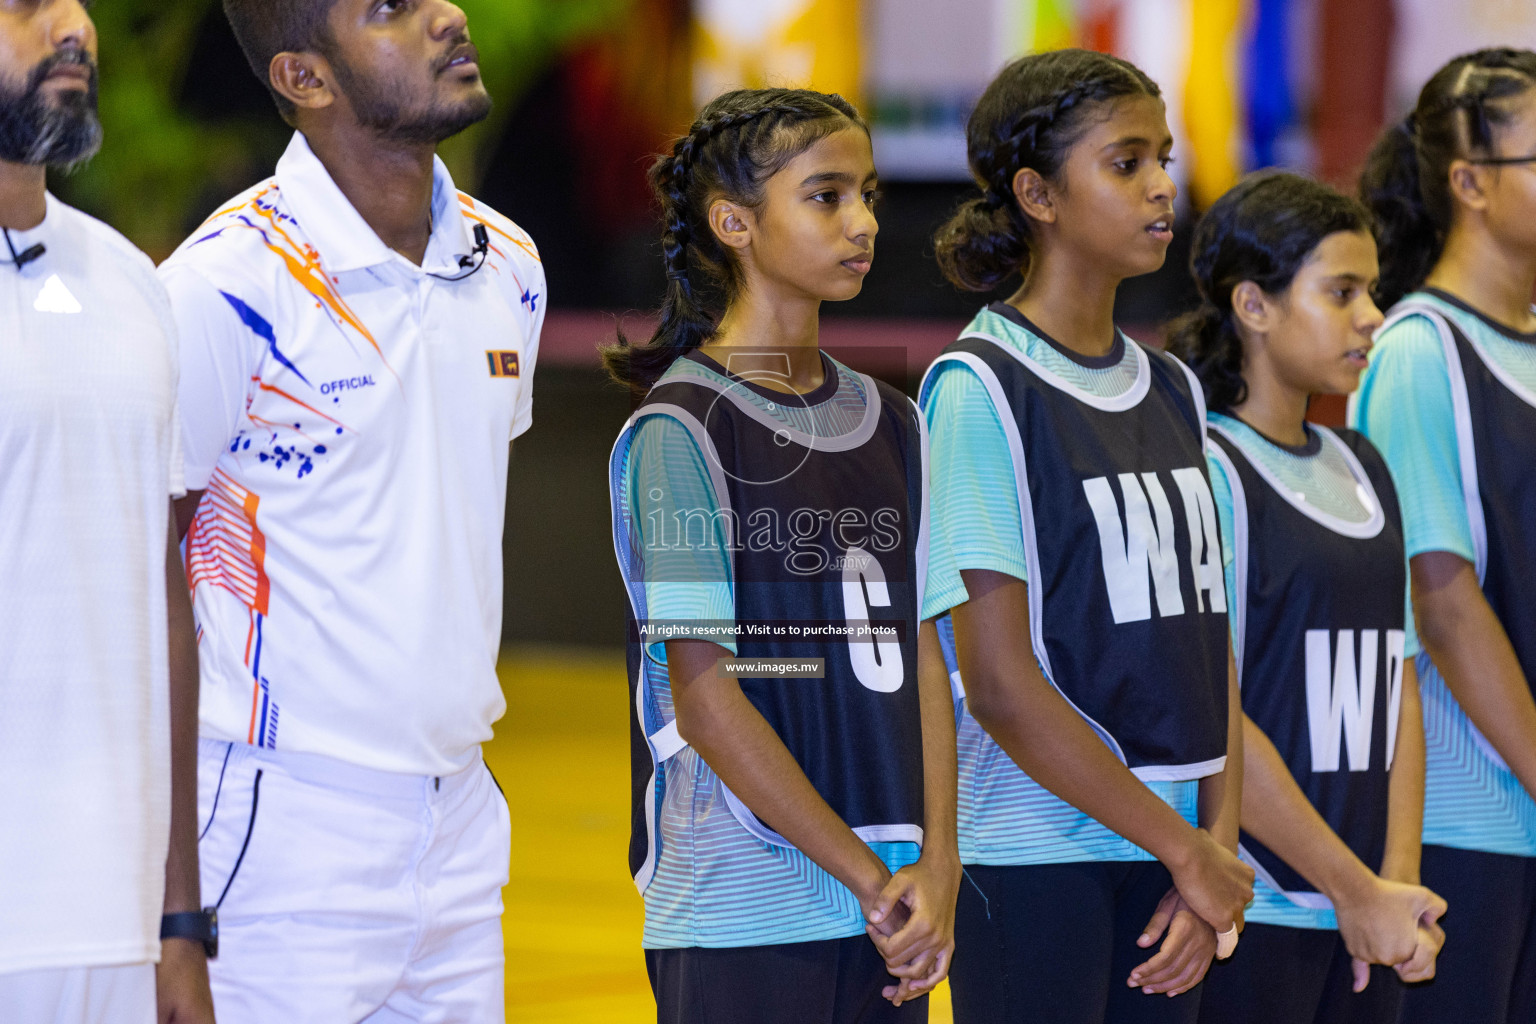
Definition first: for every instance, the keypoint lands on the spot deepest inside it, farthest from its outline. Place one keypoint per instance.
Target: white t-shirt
(349, 417)
(89, 458)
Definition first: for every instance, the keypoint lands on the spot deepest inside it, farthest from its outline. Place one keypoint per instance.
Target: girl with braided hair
(1099, 743)
(1317, 578)
(1450, 399)
(793, 834)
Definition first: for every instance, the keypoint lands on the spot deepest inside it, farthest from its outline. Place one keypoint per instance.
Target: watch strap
(198, 925)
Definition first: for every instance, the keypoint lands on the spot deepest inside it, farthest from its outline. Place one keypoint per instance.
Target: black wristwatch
(197, 925)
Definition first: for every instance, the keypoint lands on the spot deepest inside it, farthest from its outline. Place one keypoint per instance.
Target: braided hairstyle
(739, 141)
(1031, 115)
(1406, 182)
(1262, 230)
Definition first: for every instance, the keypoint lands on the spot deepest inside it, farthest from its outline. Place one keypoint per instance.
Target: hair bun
(983, 244)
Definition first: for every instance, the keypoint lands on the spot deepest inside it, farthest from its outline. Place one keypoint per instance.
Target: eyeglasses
(1504, 161)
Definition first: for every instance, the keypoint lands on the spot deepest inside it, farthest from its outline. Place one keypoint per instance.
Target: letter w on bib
(1140, 543)
(1341, 695)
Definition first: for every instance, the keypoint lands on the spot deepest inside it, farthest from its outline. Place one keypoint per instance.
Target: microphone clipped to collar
(31, 254)
(472, 263)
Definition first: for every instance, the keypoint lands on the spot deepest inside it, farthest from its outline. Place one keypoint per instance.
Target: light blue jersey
(1324, 480)
(1406, 406)
(712, 883)
(1004, 816)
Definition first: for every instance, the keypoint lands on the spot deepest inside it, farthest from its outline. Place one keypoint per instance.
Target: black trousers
(1296, 976)
(833, 982)
(1487, 971)
(1056, 942)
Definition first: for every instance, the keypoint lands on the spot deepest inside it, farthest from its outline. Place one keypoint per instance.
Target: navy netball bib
(1318, 628)
(1126, 595)
(826, 563)
(1496, 438)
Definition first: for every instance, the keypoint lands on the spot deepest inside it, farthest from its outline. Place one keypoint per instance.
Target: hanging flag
(1271, 106)
(1155, 36)
(1354, 42)
(1099, 25)
(792, 43)
(1032, 26)
(1055, 24)
(1213, 108)
(629, 95)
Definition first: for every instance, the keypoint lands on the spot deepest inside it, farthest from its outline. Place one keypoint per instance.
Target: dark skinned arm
(1052, 743)
(1185, 955)
(185, 509)
(1221, 795)
(181, 979)
(715, 718)
(1473, 653)
(1405, 798)
(1379, 919)
(920, 953)
(1405, 826)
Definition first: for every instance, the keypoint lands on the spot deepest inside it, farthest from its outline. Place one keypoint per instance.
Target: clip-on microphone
(33, 253)
(468, 263)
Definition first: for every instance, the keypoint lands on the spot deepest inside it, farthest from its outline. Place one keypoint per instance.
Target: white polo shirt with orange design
(349, 416)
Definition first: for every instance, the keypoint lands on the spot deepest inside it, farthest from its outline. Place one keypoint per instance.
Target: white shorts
(347, 894)
(80, 995)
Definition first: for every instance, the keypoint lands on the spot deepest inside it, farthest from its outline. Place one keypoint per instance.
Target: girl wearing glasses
(1450, 400)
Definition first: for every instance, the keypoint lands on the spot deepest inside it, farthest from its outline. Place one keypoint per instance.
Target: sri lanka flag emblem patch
(503, 364)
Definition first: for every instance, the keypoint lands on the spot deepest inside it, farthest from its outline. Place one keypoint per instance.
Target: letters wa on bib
(1126, 603)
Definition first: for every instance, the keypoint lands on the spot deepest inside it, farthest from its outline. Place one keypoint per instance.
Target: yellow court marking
(573, 917)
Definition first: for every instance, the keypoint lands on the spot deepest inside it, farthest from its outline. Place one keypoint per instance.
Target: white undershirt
(89, 455)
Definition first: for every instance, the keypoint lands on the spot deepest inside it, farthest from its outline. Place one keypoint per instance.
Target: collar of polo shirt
(344, 240)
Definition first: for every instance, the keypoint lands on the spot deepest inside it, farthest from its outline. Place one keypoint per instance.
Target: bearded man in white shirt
(98, 662)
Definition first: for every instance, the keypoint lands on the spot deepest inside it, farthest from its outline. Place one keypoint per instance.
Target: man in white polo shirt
(357, 349)
(98, 662)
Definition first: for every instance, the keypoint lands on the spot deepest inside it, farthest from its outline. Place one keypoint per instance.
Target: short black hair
(266, 28)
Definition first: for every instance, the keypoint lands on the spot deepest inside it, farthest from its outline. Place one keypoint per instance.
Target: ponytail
(1208, 341)
(1031, 115)
(1408, 239)
(684, 324)
(1406, 181)
(684, 327)
(740, 140)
